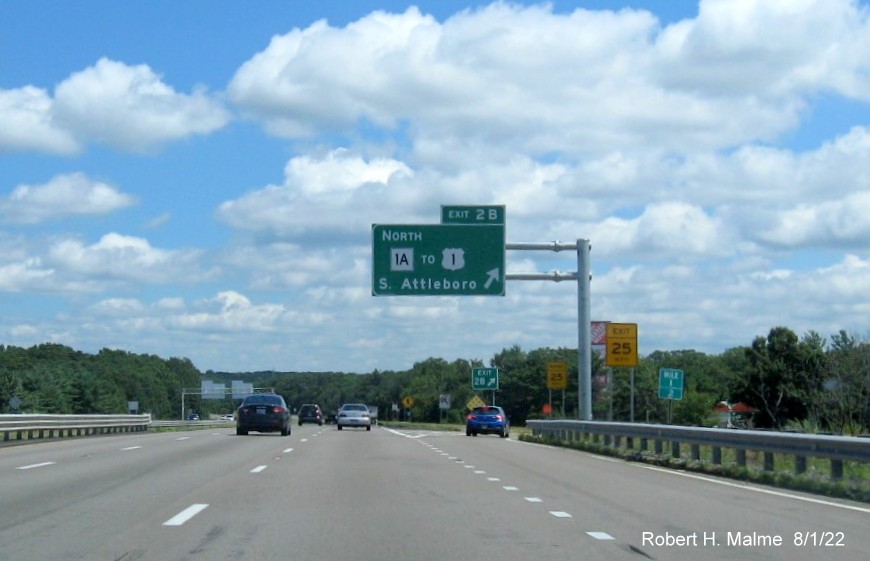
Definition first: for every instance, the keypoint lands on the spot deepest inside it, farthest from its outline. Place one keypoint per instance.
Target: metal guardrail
(31, 427)
(837, 449)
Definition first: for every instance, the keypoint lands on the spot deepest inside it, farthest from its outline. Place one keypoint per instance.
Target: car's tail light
(470, 417)
(499, 418)
(278, 409)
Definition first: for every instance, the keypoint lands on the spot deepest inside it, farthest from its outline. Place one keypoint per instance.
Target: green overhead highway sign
(438, 260)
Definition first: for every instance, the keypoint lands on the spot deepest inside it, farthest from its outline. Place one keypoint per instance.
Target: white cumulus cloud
(64, 195)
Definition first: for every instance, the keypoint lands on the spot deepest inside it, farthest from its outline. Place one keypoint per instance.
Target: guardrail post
(644, 444)
(658, 446)
(800, 464)
(696, 451)
(675, 449)
(717, 455)
(741, 457)
(836, 469)
(768, 461)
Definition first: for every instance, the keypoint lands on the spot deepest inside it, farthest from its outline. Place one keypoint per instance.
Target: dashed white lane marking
(287, 450)
(185, 515)
(258, 469)
(466, 466)
(479, 471)
(534, 500)
(182, 438)
(510, 488)
(130, 448)
(493, 479)
(560, 514)
(601, 535)
(304, 440)
(31, 466)
(452, 458)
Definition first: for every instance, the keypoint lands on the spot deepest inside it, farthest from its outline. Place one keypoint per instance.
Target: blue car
(487, 420)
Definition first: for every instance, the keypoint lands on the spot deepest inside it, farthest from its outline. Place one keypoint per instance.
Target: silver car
(354, 415)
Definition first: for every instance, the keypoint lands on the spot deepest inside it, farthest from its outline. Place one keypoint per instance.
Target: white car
(353, 415)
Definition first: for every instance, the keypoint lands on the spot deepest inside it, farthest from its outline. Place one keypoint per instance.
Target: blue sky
(199, 179)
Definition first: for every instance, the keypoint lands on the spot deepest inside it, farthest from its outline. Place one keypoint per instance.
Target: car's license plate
(261, 410)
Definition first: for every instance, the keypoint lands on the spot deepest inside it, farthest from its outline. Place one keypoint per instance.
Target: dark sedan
(263, 412)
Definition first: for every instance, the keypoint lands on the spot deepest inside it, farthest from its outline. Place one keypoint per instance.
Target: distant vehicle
(193, 417)
(488, 419)
(354, 415)
(227, 417)
(263, 412)
(310, 413)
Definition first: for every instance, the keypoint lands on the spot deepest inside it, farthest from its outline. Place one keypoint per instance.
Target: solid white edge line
(31, 466)
(185, 515)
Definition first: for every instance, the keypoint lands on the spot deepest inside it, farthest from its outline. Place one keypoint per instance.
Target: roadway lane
(383, 495)
(666, 514)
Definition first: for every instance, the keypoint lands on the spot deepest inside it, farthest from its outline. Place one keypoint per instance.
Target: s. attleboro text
(437, 260)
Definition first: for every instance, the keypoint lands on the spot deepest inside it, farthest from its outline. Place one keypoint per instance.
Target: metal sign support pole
(584, 314)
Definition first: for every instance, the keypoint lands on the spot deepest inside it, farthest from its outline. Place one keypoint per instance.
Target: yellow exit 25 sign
(557, 375)
(621, 345)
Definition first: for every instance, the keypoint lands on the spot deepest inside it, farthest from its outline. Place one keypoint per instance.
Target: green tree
(781, 373)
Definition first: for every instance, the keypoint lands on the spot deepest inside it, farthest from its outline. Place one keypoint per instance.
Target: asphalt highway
(388, 495)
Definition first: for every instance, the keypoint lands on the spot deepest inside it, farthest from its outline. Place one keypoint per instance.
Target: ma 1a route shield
(438, 260)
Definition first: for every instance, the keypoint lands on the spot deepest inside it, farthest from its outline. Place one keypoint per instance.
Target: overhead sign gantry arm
(584, 311)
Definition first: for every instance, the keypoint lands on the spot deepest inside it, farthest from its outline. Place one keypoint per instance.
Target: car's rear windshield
(262, 400)
(355, 408)
(487, 410)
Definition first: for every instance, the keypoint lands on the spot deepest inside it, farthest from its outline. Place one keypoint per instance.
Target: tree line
(805, 383)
